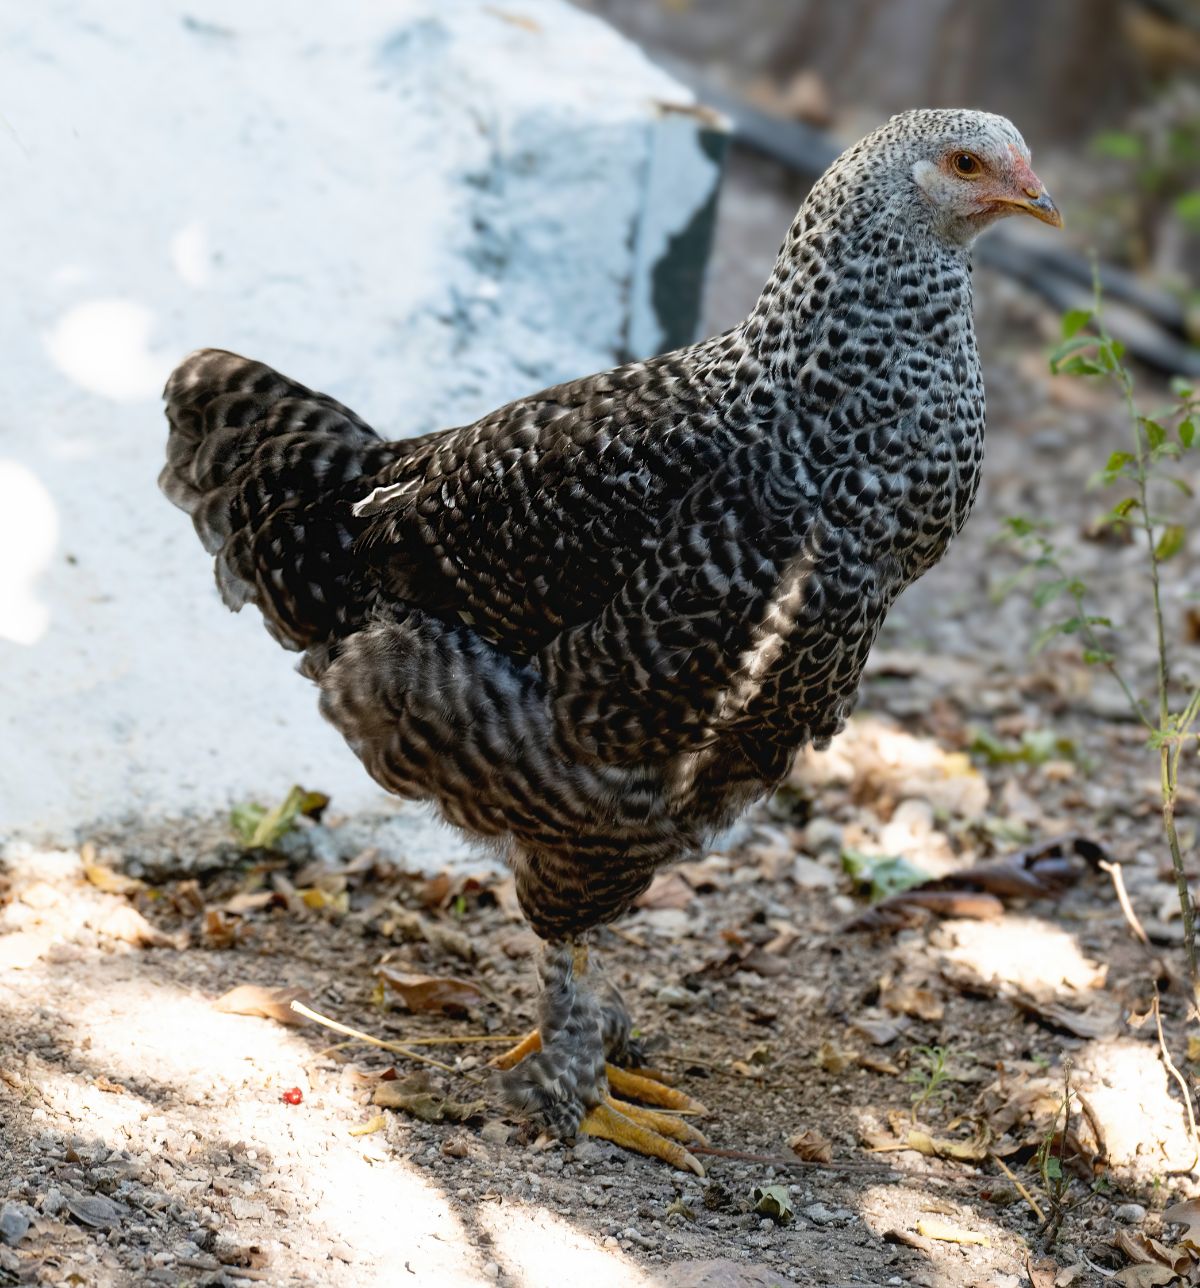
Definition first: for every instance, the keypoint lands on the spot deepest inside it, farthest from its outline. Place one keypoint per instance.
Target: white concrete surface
(423, 208)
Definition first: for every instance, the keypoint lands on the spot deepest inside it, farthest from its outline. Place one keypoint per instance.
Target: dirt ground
(877, 1097)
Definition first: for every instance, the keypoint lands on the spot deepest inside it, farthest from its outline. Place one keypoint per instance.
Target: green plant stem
(1168, 764)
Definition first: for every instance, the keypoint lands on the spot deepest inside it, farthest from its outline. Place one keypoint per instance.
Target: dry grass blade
(395, 1047)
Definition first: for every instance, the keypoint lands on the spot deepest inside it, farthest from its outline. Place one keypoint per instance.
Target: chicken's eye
(966, 164)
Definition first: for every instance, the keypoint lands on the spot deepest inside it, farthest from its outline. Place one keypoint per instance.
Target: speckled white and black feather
(598, 622)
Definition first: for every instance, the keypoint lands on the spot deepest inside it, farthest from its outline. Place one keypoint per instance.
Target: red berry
(292, 1096)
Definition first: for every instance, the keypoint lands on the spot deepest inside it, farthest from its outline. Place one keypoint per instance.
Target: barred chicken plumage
(597, 623)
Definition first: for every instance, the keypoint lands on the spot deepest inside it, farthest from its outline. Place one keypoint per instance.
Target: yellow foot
(509, 1059)
(646, 1086)
(645, 1132)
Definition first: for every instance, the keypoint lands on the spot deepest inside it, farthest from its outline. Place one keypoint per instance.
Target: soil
(897, 1084)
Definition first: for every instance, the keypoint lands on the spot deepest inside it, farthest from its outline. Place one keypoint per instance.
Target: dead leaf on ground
(105, 878)
(773, 1201)
(123, 922)
(811, 1146)
(919, 1140)
(1143, 1250)
(267, 1003)
(1039, 871)
(834, 1059)
(1145, 1275)
(101, 1083)
(1100, 1020)
(1186, 1214)
(667, 890)
(881, 1030)
(920, 1003)
(431, 992)
(428, 1106)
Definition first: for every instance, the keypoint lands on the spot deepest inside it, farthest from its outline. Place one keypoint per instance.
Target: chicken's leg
(559, 1075)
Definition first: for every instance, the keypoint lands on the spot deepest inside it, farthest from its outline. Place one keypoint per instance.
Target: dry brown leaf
(221, 930)
(1140, 1248)
(431, 992)
(125, 923)
(251, 901)
(914, 1138)
(875, 1064)
(945, 1233)
(101, 1083)
(667, 890)
(1186, 1214)
(426, 1105)
(921, 1003)
(811, 1146)
(1100, 1020)
(268, 1003)
(1145, 1275)
(881, 1031)
(106, 879)
(834, 1059)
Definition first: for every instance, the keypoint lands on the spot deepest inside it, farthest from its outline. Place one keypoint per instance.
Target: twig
(1118, 879)
(317, 1017)
(1021, 1190)
(1183, 1087)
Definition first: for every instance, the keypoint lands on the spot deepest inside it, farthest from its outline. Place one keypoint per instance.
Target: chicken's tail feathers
(269, 471)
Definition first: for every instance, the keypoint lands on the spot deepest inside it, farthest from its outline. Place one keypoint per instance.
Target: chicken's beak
(1029, 195)
(1037, 202)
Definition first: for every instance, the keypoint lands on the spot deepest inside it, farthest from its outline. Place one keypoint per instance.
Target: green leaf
(1074, 321)
(1171, 542)
(773, 1201)
(1118, 461)
(1187, 432)
(1184, 486)
(1187, 208)
(260, 829)
(1156, 435)
(881, 874)
(1124, 508)
(1097, 656)
(1181, 387)
(1048, 592)
(1078, 367)
(1118, 144)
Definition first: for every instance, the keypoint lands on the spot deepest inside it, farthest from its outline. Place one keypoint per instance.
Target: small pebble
(491, 1269)
(1130, 1214)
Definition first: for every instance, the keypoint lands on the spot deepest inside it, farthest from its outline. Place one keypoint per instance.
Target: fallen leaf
(678, 1207)
(833, 1059)
(914, 1138)
(427, 1105)
(882, 875)
(1186, 1214)
(101, 1083)
(251, 901)
(1142, 1249)
(96, 1210)
(269, 1003)
(1145, 1275)
(126, 924)
(918, 1002)
(667, 890)
(431, 992)
(1101, 1020)
(773, 1201)
(378, 1123)
(944, 1233)
(811, 1146)
(261, 829)
(881, 1031)
(105, 878)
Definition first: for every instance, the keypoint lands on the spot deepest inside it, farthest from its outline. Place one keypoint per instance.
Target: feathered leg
(559, 1075)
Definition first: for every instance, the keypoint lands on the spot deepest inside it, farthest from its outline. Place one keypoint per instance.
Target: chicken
(596, 624)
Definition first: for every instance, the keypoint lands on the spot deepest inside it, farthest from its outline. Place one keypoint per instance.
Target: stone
(15, 1220)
